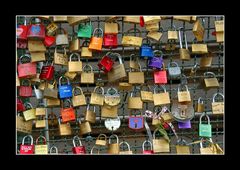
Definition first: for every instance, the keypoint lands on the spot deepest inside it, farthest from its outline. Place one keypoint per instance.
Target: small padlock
(27, 149)
(134, 102)
(106, 63)
(25, 91)
(41, 149)
(184, 125)
(199, 106)
(74, 45)
(218, 107)
(20, 105)
(209, 150)
(146, 50)
(85, 127)
(30, 113)
(199, 48)
(182, 148)
(136, 77)
(85, 52)
(87, 77)
(219, 27)
(68, 114)
(26, 70)
(133, 41)
(160, 98)
(184, 96)
(128, 151)
(64, 128)
(112, 97)
(198, 30)
(157, 60)
(136, 122)
(60, 58)
(51, 150)
(206, 60)
(74, 66)
(205, 130)
(51, 91)
(146, 95)
(147, 151)
(101, 140)
(90, 115)
(65, 91)
(47, 72)
(85, 30)
(184, 52)
(174, 72)
(160, 76)
(61, 38)
(22, 125)
(80, 99)
(109, 111)
(96, 42)
(78, 149)
(40, 122)
(113, 148)
(210, 82)
(96, 98)
(51, 29)
(160, 145)
(172, 34)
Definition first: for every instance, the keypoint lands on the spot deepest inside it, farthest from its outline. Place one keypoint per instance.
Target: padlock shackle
(140, 34)
(31, 18)
(154, 133)
(53, 147)
(124, 142)
(59, 81)
(97, 29)
(87, 65)
(183, 77)
(28, 104)
(148, 42)
(88, 107)
(112, 88)
(69, 101)
(184, 85)
(216, 95)
(172, 63)
(76, 138)
(24, 55)
(113, 135)
(145, 85)
(119, 57)
(209, 73)
(200, 100)
(159, 52)
(77, 87)
(172, 28)
(146, 141)
(157, 86)
(201, 141)
(61, 28)
(78, 55)
(200, 119)
(44, 139)
(86, 42)
(65, 52)
(185, 38)
(105, 136)
(97, 87)
(30, 136)
(181, 141)
(93, 148)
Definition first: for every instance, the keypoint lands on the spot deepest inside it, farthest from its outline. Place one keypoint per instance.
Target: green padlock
(85, 30)
(205, 130)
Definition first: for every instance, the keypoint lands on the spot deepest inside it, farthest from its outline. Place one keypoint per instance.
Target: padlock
(172, 34)
(85, 30)
(94, 147)
(96, 98)
(38, 93)
(198, 30)
(85, 52)
(37, 56)
(106, 63)
(206, 60)
(80, 99)
(90, 115)
(40, 110)
(174, 72)
(136, 122)
(41, 149)
(52, 119)
(101, 140)
(22, 125)
(76, 20)
(199, 106)
(51, 103)
(96, 42)
(20, 105)
(183, 52)
(166, 116)
(152, 27)
(182, 112)
(36, 46)
(132, 19)
(109, 111)
(40, 122)
(128, 151)
(59, 58)
(78, 149)
(30, 113)
(74, 66)
(51, 29)
(160, 98)
(60, 19)
(218, 107)
(151, 19)
(184, 125)
(194, 70)
(21, 44)
(111, 28)
(113, 148)
(51, 150)
(146, 95)
(134, 62)
(118, 71)
(182, 148)
(64, 128)
(112, 124)
(160, 145)
(199, 48)
(85, 127)
(25, 91)
(134, 102)
(71, 75)
(157, 61)
(21, 31)
(146, 50)
(219, 27)
(110, 40)
(160, 76)
(65, 91)
(49, 40)
(184, 96)
(136, 77)
(68, 114)
(87, 77)
(27, 149)
(74, 45)
(205, 130)
(210, 82)
(112, 97)
(133, 41)
(154, 35)
(156, 119)
(51, 91)
(124, 86)
(47, 72)
(147, 151)
(36, 31)
(209, 150)
(26, 70)
(61, 38)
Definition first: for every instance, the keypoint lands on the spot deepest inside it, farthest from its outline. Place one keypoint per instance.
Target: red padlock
(21, 44)
(110, 41)
(36, 31)
(22, 30)
(27, 149)
(68, 114)
(26, 70)
(78, 149)
(147, 151)
(106, 63)
(47, 72)
(49, 40)
(160, 77)
(25, 91)
(20, 105)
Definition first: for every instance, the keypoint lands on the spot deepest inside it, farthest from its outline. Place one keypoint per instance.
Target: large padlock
(184, 96)
(110, 40)
(106, 63)
(183, 52)
(41, 149)
(96, 98)
(146, 50)
(182, 112)
(85, 30)
(113, 148)
(151, 19)
(51, 92)
(22, 125)
(61, 38)
(125, 152)
(74, 45)
(136, 77)
(160, 145)
(78, 149)
(51, 150)
(182, 148)
(74, 66)
(20, 105)
(198, 30)
(101, 140)
(96, 42)
(199, 48)
(36, 31)
(157, 60)
(85, 52)
(59, 58)
(80, 99)
(85, 127)
(146, 95)
(90, 115)
(64, 128)
(26, 70)
(218, 107)
(65, 91)
(47, 72)
(30, 113)
(174, 72)
(209, 150)
(112, 97)
(38, 93)
(205, 130)
(134, 102)
(147, 151)
(25, 91)
(76, 20)
(86, 76)
(118, 71)
(199, 106)
(109, 111)
(27, 149)
(160, 76)
(206, 60)
(133, 41)
(68, 114)
(210, 82)
(160, 98)
(136, 122)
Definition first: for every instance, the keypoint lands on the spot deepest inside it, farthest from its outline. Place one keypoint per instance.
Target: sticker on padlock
(27, 149)
(184, 125)
(136, 122)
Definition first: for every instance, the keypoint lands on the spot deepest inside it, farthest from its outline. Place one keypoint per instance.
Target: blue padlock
(136, 122)
(65, 91)
(146, 51)
(157, 60)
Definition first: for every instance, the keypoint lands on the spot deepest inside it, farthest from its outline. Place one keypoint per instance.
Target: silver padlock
(38, 93)
(174, 72)
(51, 150)
(112, 97)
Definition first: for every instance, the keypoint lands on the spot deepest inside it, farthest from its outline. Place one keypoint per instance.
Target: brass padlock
(22, 125)
(160, 145)
(85, 51)
(152, 27)
(101, 140)
(199, 48)
(51, 102)
(151, 19)
(182, 148)
(85, 127)
(209, 150)
(80, 99)
(112, 97)
(113, 148)
(219, 28)
(124, 86)
(96, 98)
(74, 45)
(198, 30)
(206, 60)
(146, 95)
(90, 115)
(109, 111)
(128, 151)
(64, 129)
(134, 62)
(74, 66)
(40, 122)
(210, 82)
(136, 77)
(29, 114)
(40, 111)
(183, 52)
(87, 77)
(217, 107)
(134, 102)
(154, 35)
(156, 119)
(172, 34)
(50, 92)
(160, 98)
(199, 106)
(184, 96)
(41, 149)
(167, 116)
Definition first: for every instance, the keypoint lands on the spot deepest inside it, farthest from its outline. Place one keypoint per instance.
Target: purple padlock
(157, 60)
(184, 125)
